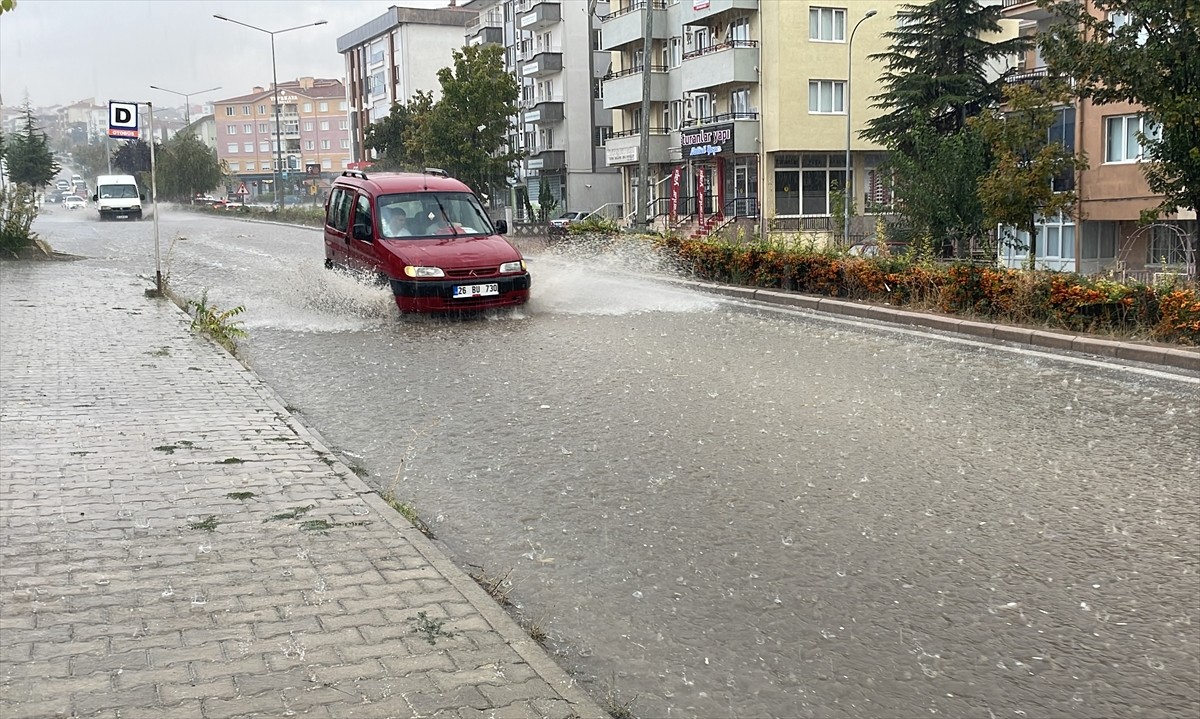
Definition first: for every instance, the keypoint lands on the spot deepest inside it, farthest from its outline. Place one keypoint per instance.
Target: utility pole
(640, 219)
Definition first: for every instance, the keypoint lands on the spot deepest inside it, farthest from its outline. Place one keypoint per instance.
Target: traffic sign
(312, 189)
(241, 190)
(123, 119)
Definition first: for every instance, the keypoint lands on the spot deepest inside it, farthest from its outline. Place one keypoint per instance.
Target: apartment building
(553, 49)
(1105, 233)
(750, 105)
(391, 57)
(314, 133)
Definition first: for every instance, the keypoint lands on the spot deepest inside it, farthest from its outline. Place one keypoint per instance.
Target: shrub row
(1168, 313)
(303, 215)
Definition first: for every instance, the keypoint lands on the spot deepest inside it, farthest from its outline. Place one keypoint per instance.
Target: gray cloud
(63, 51)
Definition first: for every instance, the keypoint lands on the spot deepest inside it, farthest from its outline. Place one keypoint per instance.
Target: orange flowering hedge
(1061, 300)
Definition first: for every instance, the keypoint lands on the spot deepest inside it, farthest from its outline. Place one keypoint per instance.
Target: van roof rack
(436, 171)
(355, 173)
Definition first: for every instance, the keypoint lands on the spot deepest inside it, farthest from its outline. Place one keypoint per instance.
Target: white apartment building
(553, 49)
(391, 57)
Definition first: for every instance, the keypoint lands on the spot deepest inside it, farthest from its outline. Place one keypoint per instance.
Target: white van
(117, 197)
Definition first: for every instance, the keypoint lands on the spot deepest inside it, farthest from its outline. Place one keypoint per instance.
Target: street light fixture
(848, 187)
(275, 186)
(187, 99)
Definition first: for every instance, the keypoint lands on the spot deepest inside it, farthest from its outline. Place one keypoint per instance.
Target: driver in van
(395, 221)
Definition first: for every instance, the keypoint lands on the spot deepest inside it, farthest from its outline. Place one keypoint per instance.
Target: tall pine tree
(30, 159)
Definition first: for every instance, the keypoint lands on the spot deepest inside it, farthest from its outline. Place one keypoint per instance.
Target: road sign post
(158, 282)
(123, 119)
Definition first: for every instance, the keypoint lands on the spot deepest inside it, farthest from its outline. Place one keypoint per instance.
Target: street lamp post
(187, 99)
(847, 187)
(275, 88)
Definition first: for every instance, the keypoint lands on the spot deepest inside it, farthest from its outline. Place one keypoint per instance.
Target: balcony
(698, 11)
(735, 61)
(1033, 76)
(1025, 10)
(746, 130)
(541, 15)
(623, 148)
(547, 159)
(624, 87)
(542, 64)
(545, 111)
(624, 26)
(486, 36)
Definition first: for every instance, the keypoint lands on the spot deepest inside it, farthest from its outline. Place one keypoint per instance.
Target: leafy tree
(134, 156)
(465, 131)
(92, 160)
(390, 137)
(187, 166)
(937, 69)
(7, 6)
(1151, 60)
(546, 202)
(30, 159)
(1020, 186)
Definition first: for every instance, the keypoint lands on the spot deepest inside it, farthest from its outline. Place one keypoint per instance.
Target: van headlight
(413, 271)
(518, 266)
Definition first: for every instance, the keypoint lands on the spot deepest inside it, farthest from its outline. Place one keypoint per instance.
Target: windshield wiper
(445, 216)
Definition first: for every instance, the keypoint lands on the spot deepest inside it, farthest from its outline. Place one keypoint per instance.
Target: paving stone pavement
(174, 543)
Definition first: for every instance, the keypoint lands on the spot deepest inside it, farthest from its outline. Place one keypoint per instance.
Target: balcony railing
(635, 133)
(633, 71)
(717, 48)
(634, 7)
(723, 117)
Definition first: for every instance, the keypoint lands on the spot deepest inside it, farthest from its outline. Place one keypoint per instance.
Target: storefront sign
(706, 141)
(676, 174)
(700, 194)
(620, 155)
(700, 4)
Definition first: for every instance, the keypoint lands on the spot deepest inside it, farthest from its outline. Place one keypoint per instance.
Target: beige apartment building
(313, 143)
(750, 102)
(1105, 233)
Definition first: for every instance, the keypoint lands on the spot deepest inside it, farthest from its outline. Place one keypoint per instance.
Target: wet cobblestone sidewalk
(174, 543)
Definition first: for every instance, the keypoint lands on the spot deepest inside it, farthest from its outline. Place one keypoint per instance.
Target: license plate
(476, 290)
(122, 217)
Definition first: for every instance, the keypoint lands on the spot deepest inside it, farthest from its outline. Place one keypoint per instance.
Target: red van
(428, 235)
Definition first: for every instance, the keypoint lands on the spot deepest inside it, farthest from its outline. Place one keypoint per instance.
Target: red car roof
(389, 182)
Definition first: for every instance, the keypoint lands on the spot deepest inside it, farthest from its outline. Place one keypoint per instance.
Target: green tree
(30, 159)
(1143, 52)
(390, 137)
(133, 156)
(187, 166)
(465, 132)
(1020, 186)
(92, 160)
(7, 6)
(936, 70)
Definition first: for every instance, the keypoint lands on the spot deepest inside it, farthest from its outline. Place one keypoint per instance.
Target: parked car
(427, 236)
(558, 226)
(74, 202)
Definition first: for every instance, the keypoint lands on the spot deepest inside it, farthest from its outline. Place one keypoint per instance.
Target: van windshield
(118, 192)
(431, 214)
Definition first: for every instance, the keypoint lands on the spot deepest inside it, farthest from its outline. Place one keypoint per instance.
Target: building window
(308, 125)
(1055, 238)
(325, 144)
(1099, 241)
(245, 109)
(262, 110)
(345, 144)
(820, 177)
(827, 24)
(601, 134)
(826, 96)
(310, 145)
(308, 107)
(326, 163)
(324, 125)
(676, 116)
(231, 148)
(343, 124)
(597, 39)
(229, 111)
(877, 191)
(1167, 246)
(324, 107)
(597, 88)
(248, 147)
(264, 147)
(248, 128)
(1121, 19)
(231, 129)
(739, 101)
(342, 105)
(738, 30)
(1121, 141)
(235, 167)
(676, 52)
(249, 167)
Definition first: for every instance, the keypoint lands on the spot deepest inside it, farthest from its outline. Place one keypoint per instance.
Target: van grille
(491, 271)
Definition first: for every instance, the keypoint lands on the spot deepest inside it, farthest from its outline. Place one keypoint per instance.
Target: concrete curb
(1158, 354)
(530, 651)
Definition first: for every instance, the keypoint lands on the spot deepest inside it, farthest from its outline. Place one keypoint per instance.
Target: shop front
(714, 179)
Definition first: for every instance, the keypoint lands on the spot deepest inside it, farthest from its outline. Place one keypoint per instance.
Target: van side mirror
(502, 226)
(362, 232)
(142, 196)
(95, 197)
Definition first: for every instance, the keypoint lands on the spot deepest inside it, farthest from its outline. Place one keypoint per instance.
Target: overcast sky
(63, 51)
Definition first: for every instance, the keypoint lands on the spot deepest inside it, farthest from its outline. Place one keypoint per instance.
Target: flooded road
(715, 509)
